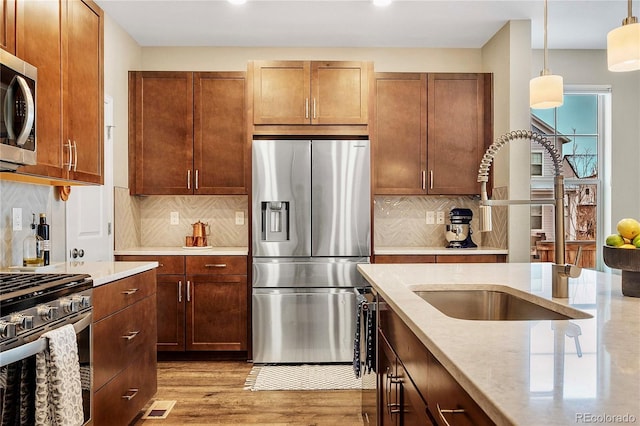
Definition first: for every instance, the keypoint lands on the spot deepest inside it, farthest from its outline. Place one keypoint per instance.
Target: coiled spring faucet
(561, 270)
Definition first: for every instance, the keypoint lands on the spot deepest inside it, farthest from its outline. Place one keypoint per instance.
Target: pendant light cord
(544, 70)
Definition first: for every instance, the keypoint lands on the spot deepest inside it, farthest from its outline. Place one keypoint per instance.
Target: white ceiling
(572, 24)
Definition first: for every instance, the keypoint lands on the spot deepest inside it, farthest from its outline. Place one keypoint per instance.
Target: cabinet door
(161, 124)
(388, 395)
(171, 311)
(221, 147)
(281, 91)
(414, 409)
(8, 25)
(39, 42)
(339, 93)
(456, 132)
(217, 313)
(400, 133)
(83, 89)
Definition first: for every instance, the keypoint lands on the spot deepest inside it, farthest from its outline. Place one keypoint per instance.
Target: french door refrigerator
(311, 227)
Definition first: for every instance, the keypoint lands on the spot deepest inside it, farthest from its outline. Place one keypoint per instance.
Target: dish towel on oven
(58, 387)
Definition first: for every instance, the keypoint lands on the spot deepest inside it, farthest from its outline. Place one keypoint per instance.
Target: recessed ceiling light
(382, 2)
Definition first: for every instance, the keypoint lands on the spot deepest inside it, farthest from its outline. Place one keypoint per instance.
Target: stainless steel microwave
(17, 112)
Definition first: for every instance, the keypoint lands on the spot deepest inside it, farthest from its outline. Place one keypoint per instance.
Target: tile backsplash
(145, 221)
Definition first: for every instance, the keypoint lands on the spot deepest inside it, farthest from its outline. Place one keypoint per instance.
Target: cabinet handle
(70, 152)
(188, 291)
(314, 108)
(189, 179)
(431, 179)
(130, 291)
(131, 335)
(306, 107)
(197, 174)
(424, 179)
(131, 393)
(215, 265)
(392, 407)
(180, 291)
(75, 156)
(160, 265)
(441, 413)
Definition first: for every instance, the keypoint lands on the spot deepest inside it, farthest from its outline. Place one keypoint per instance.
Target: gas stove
(31, 303)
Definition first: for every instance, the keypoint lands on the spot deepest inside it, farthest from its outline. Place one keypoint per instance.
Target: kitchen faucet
(561, 271)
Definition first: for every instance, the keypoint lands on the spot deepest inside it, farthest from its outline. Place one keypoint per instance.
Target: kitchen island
(522, 372)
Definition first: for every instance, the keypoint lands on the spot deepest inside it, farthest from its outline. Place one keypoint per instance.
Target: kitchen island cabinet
(520, 372)
(202, 302)
(124, 355)
(430, 132)
(64, 41)
(189, 133)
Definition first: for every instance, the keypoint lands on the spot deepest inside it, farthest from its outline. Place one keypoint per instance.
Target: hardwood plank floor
(212, 392)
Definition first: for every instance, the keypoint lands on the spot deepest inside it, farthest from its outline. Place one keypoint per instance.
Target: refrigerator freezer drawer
(308, 272)
(303, 325)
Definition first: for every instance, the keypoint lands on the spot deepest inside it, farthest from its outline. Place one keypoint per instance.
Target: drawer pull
(131, 393)
(130, 291)
(441, 413)
(131, 335)
(161, 265)
(215, 265)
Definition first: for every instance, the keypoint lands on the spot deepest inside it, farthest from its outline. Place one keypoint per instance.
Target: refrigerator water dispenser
(275, 221)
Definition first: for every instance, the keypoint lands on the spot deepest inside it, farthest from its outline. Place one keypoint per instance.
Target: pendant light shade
(623, 45)
(546, 91)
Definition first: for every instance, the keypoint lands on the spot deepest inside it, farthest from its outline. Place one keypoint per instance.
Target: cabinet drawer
(112, 297)
(231, 265)
(166, 264)
(122, 337)
(121, 399)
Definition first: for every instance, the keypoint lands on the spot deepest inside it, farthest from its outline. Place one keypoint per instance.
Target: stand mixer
(458, 233)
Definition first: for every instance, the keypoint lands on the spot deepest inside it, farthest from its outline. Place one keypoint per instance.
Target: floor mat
(305, 377)
(159, 410)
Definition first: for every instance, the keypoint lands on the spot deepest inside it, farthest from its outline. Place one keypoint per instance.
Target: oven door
(17, 373)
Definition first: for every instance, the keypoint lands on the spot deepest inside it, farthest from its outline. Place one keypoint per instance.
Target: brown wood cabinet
(124, 354)
(8, 25)
(64, 41)
(441, 258)
(316, 92)
(189, 133)
(421, 380)
(430, 132)
(202, 302)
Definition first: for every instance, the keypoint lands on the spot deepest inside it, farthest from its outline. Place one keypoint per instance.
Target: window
(578, 131)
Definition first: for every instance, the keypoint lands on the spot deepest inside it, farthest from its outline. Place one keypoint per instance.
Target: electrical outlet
(240, 218)
(17, 218)
(440, 218)
(175, 218)
(431, 217)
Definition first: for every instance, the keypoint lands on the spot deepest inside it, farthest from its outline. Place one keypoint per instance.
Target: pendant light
(546, 91)
(623, 45)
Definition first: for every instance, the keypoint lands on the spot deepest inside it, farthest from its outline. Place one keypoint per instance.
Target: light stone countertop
(438, 250)
(521, 372)
(105, 272)
(181, 251)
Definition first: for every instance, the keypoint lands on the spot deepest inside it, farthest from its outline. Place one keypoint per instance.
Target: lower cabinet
(413, 387)
(124, 354)
(202, 302)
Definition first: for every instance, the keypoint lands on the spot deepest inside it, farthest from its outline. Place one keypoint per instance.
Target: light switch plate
(240, 218)
(440, 218)
(431, 217)
(17, 218)
(175, 218)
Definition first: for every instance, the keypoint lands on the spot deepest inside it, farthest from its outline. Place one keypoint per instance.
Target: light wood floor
(212, 392)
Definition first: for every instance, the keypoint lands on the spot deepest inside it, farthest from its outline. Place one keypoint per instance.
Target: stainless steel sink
(492, 305)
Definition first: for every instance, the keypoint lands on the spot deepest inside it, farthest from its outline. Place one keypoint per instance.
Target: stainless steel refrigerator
(311, 227)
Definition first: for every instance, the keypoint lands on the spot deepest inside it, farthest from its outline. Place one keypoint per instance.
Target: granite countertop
(438, 250)
(522, 372)
(182, 251)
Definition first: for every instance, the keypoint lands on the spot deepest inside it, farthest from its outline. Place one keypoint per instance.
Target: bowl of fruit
(622, 251)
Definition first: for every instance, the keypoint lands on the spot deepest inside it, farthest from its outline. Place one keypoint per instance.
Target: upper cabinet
(188, 133)
(8, 25)
(64, 41)
(310, 93)
(430, 132)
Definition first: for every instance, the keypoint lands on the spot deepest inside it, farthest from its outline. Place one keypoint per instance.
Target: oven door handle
(38, 345)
